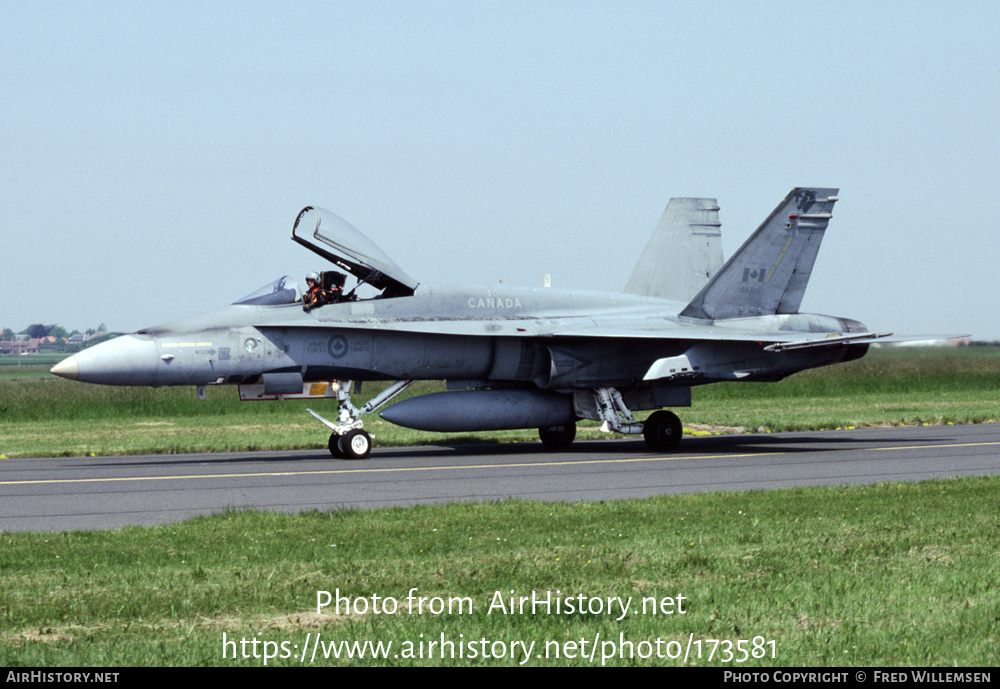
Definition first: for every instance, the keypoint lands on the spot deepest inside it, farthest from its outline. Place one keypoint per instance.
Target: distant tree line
(63, 337)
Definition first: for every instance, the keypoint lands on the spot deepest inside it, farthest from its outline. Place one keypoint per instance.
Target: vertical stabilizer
(769, 273)
(683, 253)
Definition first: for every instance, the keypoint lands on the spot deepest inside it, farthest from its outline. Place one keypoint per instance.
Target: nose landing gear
(349, 440)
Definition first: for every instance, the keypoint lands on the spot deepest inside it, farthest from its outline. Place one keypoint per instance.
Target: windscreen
(281, 291)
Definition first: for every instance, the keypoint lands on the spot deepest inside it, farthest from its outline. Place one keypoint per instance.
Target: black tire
(334, 446)
(662, 431)
(356, 444)
(558, 437)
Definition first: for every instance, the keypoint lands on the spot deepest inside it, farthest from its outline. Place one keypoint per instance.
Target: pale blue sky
(155, 154)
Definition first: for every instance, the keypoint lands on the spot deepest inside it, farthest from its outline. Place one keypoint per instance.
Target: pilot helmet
(314, 276)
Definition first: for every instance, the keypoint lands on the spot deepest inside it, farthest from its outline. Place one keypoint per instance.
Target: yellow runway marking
(580, 462)
(924, 447)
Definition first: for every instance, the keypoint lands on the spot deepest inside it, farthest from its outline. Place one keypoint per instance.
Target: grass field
(865, 576)
(884, 575)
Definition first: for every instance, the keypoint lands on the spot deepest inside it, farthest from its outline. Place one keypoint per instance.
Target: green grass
(42, 362)
(871, 576)
(50, 416)
(33, 370)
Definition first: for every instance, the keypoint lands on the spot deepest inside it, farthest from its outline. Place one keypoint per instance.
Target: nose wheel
(356, 444)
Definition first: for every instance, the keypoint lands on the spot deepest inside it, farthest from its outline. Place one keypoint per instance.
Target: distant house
(51, 343)
(21, 344)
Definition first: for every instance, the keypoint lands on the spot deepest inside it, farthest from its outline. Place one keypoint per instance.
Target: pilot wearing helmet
(314, 296)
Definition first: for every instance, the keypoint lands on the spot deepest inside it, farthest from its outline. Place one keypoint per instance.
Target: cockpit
(330, 236)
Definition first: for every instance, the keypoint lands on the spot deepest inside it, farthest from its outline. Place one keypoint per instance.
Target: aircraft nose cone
(125, 360)
(67, 368)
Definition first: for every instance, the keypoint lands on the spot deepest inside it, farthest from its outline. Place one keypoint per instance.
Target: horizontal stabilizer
(865, 338)
(828, 341)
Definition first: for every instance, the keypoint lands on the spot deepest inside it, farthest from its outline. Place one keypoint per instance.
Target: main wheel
(356, 444)
(558, 437)
(662, 431)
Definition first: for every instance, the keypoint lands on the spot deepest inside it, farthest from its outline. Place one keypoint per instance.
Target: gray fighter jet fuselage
(513, 358)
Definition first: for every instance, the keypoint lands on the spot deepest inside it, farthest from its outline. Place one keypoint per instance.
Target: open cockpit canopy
(327, 234)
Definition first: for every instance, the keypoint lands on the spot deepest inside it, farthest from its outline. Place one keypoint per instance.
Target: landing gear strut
(662, 431)
(349, 440)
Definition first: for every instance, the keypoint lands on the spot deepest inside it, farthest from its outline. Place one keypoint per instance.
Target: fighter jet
(512, 357)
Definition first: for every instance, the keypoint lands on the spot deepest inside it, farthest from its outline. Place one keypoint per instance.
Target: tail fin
(683, 253)
(769, 273)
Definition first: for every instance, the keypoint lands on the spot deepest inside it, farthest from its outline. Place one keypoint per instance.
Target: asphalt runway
(67, 493)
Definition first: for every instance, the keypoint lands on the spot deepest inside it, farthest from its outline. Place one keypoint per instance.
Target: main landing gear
(558, 437)
(349, 440)
(662, 431)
